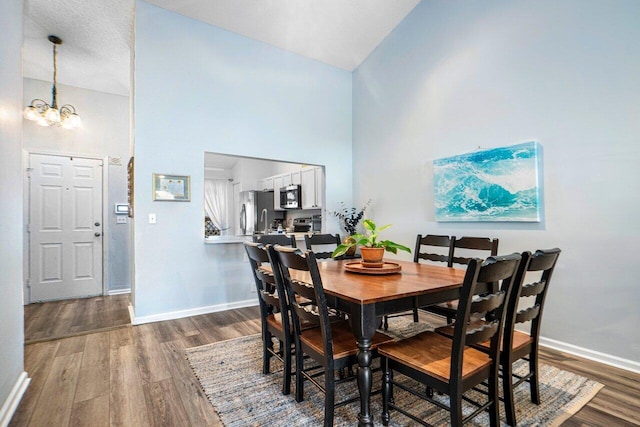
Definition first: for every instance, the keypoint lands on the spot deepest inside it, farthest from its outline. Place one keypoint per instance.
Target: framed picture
(172, 188)
(499, 184)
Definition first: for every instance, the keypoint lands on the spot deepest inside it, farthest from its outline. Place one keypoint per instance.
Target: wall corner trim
(596, 356)
(190, 312)
(13, 400)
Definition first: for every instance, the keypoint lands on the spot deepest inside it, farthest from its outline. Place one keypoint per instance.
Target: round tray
(387, 268)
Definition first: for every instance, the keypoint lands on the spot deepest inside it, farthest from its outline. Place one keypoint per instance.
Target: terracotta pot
(372, 257)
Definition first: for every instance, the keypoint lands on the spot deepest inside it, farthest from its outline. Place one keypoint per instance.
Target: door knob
(97, 224)
(97, 234)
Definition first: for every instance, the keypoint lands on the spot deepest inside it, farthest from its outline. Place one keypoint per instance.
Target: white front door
(65, 215)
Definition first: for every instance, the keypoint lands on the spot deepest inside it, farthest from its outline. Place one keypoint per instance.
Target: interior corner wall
(454, 76)
(104, 133)
(11, 309)
(200, 88)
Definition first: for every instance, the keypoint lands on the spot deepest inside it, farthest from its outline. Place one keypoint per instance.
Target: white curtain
(217, 205)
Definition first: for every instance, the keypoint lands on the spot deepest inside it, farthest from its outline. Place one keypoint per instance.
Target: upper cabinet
(265, 184)
(310, 178)
(312, 181)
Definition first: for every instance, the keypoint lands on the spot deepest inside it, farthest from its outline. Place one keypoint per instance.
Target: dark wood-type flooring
(138, 376)
(68, 318)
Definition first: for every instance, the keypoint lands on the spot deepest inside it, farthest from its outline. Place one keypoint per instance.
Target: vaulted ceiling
(97, 34)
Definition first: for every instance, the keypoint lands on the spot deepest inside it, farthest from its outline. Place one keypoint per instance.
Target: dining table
(368, 297)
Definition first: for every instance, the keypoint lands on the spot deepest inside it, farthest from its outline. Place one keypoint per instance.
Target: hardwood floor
(61, 319)
(138, 376)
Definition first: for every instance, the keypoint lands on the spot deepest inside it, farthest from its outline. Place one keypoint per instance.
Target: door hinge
(27, 228)
(28, 284)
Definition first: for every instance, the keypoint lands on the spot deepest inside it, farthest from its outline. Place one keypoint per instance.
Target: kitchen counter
(218, 240)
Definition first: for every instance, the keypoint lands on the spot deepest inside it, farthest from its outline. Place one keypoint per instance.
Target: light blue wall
(199, 88)
(11, 311)
(457, 75)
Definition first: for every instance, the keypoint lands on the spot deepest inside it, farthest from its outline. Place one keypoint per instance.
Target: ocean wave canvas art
(500, 184)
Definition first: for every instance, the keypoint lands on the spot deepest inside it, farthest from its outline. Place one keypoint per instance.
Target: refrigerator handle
(243, 219)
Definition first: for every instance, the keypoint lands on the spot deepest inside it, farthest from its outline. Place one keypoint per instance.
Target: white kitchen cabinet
(312, 181)
(265, 184)
(295, 178)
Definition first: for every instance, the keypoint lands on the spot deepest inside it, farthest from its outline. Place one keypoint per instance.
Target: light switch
(152, 218)
(121, 219)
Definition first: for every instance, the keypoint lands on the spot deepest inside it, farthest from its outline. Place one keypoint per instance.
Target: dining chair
(274, 313)
(525, 304)
(452, 366)
(469, 245)
(332, 345)
(275, 239)
(427, 249)
(322, 240)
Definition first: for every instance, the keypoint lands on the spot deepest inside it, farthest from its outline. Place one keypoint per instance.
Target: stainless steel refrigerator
(252, 219)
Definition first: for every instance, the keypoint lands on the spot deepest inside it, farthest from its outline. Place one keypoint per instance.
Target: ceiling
(97, 37)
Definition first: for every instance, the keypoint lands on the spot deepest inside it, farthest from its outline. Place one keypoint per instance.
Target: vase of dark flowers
(349, 219)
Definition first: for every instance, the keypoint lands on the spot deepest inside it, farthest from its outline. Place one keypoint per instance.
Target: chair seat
(520, 340)
(344, 342)
(430, 353)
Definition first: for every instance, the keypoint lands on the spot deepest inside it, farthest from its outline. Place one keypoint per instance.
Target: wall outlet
(121, 219)
(152, 218)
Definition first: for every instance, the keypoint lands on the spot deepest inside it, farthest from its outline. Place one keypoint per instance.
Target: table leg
(364, 329)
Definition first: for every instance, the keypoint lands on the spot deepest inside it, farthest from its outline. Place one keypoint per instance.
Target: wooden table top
(414, 279)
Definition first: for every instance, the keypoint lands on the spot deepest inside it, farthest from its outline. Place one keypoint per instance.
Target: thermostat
(122, 209)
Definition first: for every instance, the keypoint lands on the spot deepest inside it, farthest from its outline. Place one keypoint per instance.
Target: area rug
(230, 373)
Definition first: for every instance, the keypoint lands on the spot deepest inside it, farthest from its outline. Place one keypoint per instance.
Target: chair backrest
(473, 244)
(271, 295)
(275, 239)
(432, 240)
(500, 271)
(303, 285)
(322, 240)
(541, 265)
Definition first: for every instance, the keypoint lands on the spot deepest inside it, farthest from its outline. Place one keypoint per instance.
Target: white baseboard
(190, 312)
(11, 404)
(119, 291)
(596, 356)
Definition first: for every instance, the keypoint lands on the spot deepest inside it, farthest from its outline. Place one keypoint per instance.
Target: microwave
(291, 197)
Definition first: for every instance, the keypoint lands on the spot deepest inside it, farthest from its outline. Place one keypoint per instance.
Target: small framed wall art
(171, 188)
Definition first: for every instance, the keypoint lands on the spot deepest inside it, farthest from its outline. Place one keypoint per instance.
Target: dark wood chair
(275, 239)
(484, 244)
(274, 314)
(427, 249)
(468, 245)
(518, 345)
(332, 345)
(452, 366)
(322, 240)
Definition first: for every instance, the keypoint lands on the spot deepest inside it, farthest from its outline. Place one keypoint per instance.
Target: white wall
(200, 88)
(11, 311)
(104, 132)
(457, 75)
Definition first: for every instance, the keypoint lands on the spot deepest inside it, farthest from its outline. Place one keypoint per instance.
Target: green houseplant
(371, 248)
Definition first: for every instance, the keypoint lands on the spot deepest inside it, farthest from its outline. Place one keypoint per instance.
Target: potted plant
(371, 248)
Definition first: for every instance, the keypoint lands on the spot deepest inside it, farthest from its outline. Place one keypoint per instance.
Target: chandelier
(50, 115)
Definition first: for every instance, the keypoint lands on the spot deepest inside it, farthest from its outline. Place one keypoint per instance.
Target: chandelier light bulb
(52, 115)
(31, 113)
